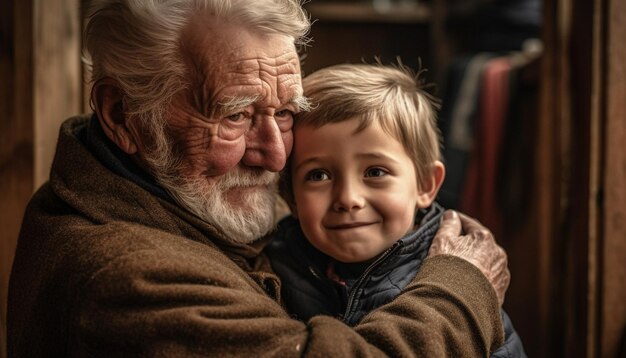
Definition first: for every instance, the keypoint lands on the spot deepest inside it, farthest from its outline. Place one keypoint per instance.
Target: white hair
(137, 42)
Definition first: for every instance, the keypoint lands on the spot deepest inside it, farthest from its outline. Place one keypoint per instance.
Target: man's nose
(264, 145)
(347, 196)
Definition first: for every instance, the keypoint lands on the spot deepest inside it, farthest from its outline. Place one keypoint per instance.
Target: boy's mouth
(349, 225)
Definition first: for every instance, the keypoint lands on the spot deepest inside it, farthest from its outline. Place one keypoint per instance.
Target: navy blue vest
(309, 284)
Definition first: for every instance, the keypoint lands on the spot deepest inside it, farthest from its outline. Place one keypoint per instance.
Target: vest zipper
(319, 278)
(365, 274)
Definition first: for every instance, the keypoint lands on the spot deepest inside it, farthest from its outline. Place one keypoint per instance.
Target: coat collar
(105, 186)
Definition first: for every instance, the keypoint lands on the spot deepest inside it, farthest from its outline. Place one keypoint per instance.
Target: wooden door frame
(42, 85)
(583, 216)
(580, 217)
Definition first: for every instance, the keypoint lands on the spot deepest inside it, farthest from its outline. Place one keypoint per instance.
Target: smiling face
(355, 193)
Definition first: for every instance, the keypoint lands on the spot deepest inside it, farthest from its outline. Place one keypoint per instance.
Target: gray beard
(251, 217)
(245, 221)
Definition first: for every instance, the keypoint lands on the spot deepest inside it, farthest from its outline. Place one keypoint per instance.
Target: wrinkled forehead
(220, 54)
(247, 64)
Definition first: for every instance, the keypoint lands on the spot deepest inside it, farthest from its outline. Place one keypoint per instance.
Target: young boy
(361, 183)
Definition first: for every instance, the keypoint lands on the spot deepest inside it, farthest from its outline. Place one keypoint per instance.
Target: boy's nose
(347, 197)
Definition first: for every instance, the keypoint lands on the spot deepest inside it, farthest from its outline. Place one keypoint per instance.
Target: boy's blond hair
(393, 96)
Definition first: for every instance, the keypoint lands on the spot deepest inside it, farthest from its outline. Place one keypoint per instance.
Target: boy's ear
(108, 101)
(430, 186)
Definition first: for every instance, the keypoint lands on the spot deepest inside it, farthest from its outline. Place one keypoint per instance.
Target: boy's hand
(461, 236)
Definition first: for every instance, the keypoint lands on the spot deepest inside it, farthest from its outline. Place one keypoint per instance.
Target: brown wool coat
(103, 268)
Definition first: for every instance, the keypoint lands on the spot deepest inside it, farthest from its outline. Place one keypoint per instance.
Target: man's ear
(108, 101)
(430, 186)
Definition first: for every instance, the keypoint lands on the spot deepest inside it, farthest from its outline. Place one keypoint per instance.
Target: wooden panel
(581, 214)
(546, 334)
(41, 85)
(348, 32)
(16, 135)
(613, 308)
(58, 75)
(403, 12)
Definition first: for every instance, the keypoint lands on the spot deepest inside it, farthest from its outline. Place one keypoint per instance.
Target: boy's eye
(375, 172)
(317, 175)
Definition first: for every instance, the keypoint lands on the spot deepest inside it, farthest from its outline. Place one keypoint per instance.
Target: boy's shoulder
(285, 237)
(290, 247)
(286, 228)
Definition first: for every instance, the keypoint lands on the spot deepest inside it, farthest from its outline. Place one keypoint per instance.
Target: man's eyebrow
(302, 103)
(235, 104)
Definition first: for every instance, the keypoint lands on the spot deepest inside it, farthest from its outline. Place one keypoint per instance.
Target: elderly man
(146, 240)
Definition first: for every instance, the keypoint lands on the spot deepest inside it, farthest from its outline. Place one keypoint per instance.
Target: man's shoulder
(106, 254)
(71, 234)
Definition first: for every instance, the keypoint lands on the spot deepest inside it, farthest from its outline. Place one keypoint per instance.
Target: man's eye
(284, 113)
(317, 175)
(375, 172)
(237, 117)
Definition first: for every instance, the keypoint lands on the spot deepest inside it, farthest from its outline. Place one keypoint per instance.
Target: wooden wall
(611, 306)
(356, 32)
(569, 271)
(40, 85)
(581, 210)
(16, 136)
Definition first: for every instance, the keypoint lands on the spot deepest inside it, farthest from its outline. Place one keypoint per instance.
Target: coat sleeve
(159, 303)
